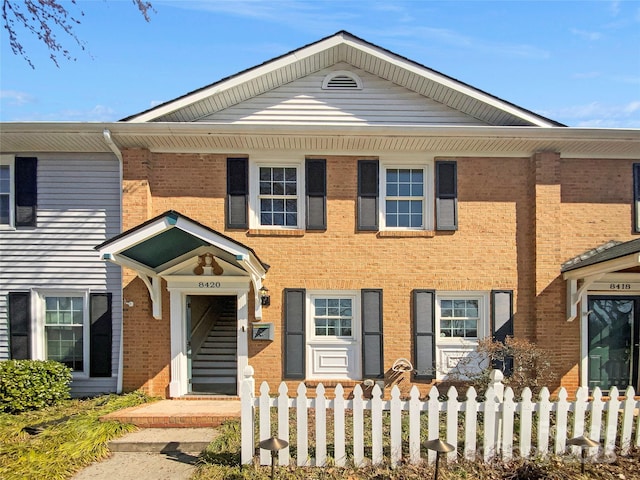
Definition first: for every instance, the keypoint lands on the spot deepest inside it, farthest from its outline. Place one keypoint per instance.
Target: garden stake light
(584, 443)
(273, 444)
(440, 447)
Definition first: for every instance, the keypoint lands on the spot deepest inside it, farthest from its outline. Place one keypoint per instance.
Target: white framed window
(462, 320)
(6, 191)
(277, 195)
(333, 335)
(407, 195)
(62, 329)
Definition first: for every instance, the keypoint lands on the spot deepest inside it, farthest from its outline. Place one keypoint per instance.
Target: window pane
(4, 210)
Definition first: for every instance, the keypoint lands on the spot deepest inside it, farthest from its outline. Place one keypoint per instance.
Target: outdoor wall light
(265, 298)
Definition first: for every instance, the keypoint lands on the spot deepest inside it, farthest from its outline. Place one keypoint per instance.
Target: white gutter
(116, 151)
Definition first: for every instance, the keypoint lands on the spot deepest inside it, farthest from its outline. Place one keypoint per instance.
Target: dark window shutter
(316, 186)
(237, 193)
(20, 325)
(502, 323)
(372, 345)
(424, 339)
(368, 195)
(636, 197)
(26, 188)
(100, 332)
(294, 337)
(446, 195)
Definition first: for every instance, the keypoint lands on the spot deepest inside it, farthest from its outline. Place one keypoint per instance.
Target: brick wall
(517, 224)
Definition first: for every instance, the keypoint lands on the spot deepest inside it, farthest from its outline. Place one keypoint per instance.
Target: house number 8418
(619, 286)
(208, 284)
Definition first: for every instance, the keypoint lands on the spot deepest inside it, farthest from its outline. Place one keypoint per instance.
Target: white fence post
(562, 407)
(376, 425)
(283, 422)
(471, 424)
(415, 407)
(508, 415)
(246, 416)
(302, 455)
(544, 417)
(612, 422)
(264, 431)
(526, 415)
(396, 426)
(321, 427)
(433, 431)
(452, 421)
(338, 427)
(627, 421)
(358, 427)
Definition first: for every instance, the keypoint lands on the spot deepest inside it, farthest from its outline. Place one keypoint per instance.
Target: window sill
(406, 234)
(267, 232)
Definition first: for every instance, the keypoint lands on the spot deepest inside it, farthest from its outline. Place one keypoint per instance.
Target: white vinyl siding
(305, 102)
(78, 208)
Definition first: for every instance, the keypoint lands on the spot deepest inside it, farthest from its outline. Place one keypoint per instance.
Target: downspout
(116, 151)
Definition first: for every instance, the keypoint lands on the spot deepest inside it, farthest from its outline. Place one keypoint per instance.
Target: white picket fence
(507, 428)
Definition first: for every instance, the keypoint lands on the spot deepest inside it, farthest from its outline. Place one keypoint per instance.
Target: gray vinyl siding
(304, 102)
(78, 208)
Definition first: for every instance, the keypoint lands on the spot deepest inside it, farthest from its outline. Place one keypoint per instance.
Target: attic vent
(342, 81)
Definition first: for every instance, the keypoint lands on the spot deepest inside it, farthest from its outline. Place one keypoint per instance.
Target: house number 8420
(208, 284)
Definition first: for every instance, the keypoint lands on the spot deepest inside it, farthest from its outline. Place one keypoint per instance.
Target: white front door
(333, 336)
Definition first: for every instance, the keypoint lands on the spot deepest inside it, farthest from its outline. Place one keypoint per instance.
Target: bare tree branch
(46, 19)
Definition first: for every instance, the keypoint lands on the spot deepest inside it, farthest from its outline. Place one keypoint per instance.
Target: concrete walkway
(173, 433)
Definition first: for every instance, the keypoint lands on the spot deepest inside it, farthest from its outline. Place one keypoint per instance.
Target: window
(404, 200)
(279, 196)
(64, 319)
(333, 317)
(459, 318)
(277, 193)
(6, 194)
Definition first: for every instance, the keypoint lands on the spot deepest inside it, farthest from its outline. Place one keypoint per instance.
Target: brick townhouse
(320, 217)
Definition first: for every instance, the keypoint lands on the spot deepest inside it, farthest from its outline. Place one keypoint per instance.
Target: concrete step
(165, 440)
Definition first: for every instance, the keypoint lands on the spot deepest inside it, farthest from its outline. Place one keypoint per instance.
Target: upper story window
(6, 191)
(404, 199)
(277, 195)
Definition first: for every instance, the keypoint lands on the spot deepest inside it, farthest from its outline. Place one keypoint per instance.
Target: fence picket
(338, 427)
(302, 422)
(544, 418)
(283, 422)
(612, 422)
(627, 421)
(321, 427)
(264, 431)
(415, 407)
(526, 413)
(508, 415)
(453, 406)
(471, 424)
(396, 426)
(501, 415)
(433, 431)
(358, 427)
(597, 406)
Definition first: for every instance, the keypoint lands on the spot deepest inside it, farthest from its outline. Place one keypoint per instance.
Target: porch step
(213, 371)
(207, 379)
(212, 364)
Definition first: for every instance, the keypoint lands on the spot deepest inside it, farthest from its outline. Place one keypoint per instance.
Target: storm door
(613, 341)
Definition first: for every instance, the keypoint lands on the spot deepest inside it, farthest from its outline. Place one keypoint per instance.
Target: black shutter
(237, 193)
(446, 195)
(368, 195)
(20, 325)
(636, 197)
(372, 341)
(502, 323)
(316, 186)
(100, 335)
(424, 340)
(294, 337)
(26, 188)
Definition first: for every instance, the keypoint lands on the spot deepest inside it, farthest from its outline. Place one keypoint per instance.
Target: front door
(613, 341)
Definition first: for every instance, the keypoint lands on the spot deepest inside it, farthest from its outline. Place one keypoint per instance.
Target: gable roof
(611, 250)
(331, 50)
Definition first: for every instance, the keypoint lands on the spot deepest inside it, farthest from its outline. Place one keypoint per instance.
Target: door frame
(178, 293)
(584, 334)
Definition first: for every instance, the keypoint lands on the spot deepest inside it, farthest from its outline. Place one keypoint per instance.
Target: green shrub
(32, 384)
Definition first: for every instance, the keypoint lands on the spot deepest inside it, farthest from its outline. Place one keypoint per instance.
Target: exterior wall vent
(342, 80)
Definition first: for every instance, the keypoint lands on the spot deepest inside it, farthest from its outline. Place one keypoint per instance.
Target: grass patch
(221, 461)
(71, 437)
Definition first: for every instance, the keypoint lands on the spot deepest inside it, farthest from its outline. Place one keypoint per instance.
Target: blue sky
(577, 62)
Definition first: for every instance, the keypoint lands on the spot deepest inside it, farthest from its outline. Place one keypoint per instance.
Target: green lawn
(70, 437)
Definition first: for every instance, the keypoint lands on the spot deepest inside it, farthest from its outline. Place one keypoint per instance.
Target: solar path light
(273, 444)
(440, 447)
(584, 443)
